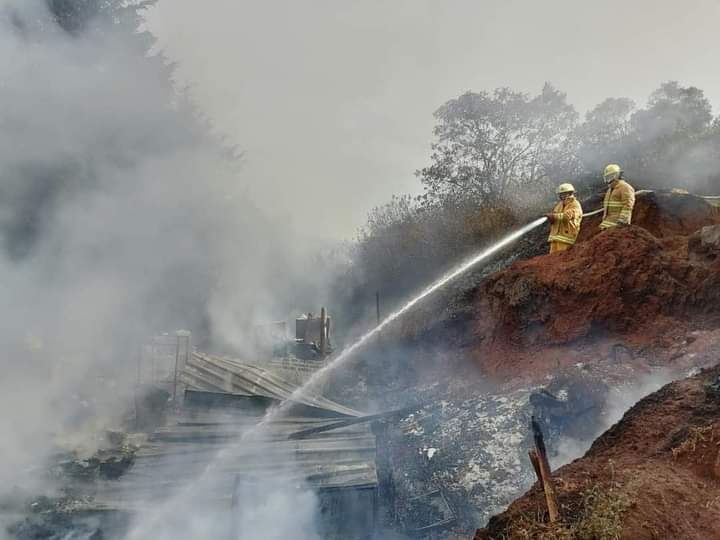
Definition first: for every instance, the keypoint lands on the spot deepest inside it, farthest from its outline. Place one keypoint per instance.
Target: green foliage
(605, 134)
(672, 142)
(74, 16)
(490, 144)
(410, 241)
(497, 157)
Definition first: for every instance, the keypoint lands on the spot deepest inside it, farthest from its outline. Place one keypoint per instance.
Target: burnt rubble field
(427, 436)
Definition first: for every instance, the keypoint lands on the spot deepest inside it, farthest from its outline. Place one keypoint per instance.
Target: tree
(39, 184)
(674, 122)
(490, 144)
(673, 110)
(670, 142)
(605, 135)
(74, 16)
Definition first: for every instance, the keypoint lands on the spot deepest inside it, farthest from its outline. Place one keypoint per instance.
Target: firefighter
(619, 199)
(564, 220)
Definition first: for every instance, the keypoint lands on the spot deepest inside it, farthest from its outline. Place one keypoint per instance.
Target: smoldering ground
(274, 502)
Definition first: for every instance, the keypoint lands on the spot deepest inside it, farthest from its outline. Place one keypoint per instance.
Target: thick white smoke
(120, 217)
(620, 400)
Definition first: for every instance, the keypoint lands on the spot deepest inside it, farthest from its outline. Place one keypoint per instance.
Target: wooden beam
(545, 474)
(322, 332)
(532, 454)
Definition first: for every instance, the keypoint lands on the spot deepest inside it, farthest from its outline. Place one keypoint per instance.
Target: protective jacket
(568, 215)
(618, 205)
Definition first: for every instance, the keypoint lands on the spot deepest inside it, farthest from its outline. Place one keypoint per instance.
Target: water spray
(257, 431)
(343, 357)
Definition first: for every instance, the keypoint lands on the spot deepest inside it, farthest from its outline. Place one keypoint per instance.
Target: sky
(331, 101)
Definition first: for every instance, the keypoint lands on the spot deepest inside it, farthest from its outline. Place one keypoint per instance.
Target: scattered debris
(426, 513)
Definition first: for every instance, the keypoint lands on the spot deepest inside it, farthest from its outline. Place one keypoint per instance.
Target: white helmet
(612, 172)
(565, 188)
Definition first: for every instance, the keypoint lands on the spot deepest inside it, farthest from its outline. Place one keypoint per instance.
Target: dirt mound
(655, 474)
(619, 282)
(637, 286)
(661, 213)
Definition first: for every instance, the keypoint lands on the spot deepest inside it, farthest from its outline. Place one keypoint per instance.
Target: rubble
(563, 337)
(473, 446)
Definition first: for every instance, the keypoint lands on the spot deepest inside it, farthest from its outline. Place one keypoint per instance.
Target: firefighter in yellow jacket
(619, 199)
(564, 220)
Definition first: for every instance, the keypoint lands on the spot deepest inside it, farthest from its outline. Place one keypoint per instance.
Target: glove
(550, 217)
(622, 222)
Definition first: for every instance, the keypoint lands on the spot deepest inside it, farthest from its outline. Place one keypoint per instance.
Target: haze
(332, 101)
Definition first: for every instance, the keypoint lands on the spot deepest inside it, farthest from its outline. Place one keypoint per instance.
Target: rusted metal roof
(214, 374)
(205, 440)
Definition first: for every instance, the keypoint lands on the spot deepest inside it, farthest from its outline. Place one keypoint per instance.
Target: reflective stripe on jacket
(568, 216)
(618, 205)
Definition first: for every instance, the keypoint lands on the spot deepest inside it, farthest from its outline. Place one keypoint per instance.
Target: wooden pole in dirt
(177, 361)
(532, 454)
(540, 462)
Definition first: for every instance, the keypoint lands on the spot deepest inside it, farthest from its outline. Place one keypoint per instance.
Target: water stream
(184, 501)
(345, 355)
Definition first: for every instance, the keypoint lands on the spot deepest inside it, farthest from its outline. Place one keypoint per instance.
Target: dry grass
(602, 513)
(526, 528)
(697, 438)
(599, 517)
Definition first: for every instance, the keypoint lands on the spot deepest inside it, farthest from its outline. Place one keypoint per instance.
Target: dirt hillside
(641, 287)
(655, 474)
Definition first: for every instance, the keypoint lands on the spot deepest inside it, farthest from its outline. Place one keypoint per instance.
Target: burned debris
(388, 449)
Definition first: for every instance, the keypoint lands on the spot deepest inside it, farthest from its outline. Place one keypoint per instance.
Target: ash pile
(456, 461)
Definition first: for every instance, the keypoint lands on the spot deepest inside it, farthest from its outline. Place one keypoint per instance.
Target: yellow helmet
(565, 188)
(612, 173)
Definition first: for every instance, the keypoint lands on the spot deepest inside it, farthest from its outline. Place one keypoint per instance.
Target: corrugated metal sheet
(211, 373)
(207, 443)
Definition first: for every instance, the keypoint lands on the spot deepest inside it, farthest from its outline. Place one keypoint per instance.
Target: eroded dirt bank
(655, 474)
(643, 289)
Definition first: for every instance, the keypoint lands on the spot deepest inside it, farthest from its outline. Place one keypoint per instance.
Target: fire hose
(712, 198)
(594, 213)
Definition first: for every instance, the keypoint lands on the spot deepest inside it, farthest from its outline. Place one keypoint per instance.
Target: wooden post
(177, 361)
(153, 368)
(322, 331)
(544, 473)
(532, 454)
(328, 343)
(139, 364)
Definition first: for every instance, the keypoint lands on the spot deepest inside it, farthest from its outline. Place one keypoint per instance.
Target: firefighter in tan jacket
(564, 220)
(619, 199)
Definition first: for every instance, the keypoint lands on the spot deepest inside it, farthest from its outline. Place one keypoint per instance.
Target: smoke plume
(121, 216)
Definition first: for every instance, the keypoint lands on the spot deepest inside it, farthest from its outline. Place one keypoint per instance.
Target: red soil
(621, 282)
(635, 285)
(662, 458)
